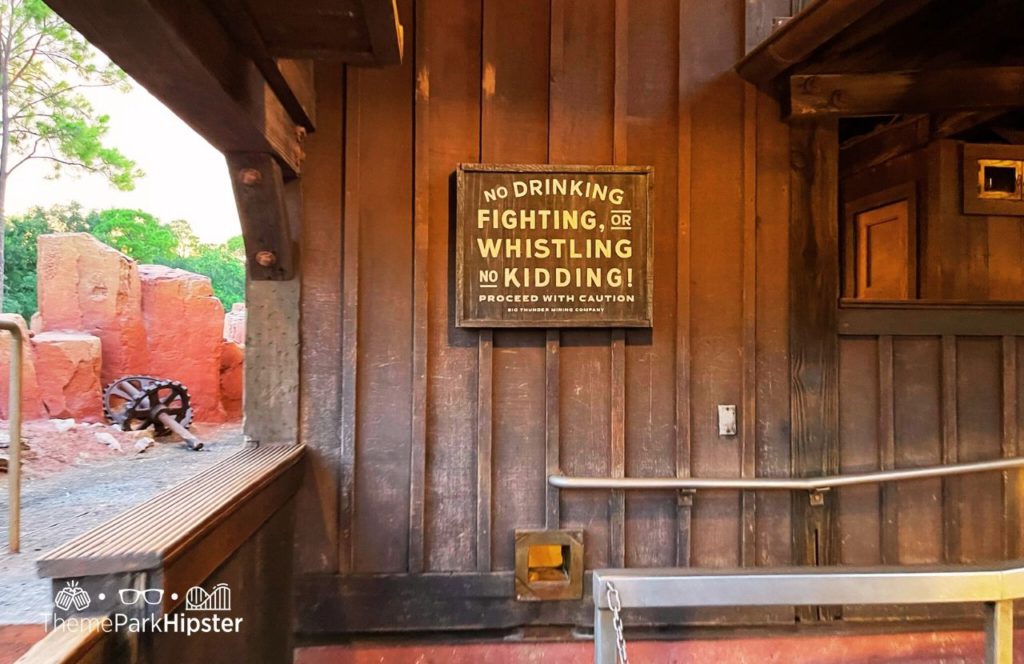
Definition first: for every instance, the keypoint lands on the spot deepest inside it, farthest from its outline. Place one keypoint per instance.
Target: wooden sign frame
(644, 317)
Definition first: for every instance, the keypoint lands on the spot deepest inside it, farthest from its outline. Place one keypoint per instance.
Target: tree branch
(28, 61)
(30, 155)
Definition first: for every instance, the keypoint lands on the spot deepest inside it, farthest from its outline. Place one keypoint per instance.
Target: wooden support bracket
(258, 184)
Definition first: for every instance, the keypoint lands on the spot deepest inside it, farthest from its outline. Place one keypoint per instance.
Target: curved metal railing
(823, 483)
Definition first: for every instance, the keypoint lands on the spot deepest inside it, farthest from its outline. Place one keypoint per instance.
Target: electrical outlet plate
(726, 420)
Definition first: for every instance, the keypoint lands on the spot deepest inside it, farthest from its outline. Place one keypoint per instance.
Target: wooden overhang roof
(868, 57)
(239, 72)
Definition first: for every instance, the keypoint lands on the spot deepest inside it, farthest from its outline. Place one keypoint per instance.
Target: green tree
(44, 64)
(136, 233)
(20, 238)
(225, 270)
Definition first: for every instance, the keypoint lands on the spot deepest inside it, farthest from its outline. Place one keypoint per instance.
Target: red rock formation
(234, 323)
(68, 368)
(232, 378)
(184, 325)
(85, 285)
(31, 397)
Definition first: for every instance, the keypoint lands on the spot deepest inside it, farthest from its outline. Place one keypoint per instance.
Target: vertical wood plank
(421, 293)
(514, 128)
(449, 35)
(858, 508)
(1010, 448)
(774, 508)
(581, 119)
(979, 418)
(889, 517)
(646, 119)
(321, 349)
(814, 291)
(917, 427)
(384, 386)
(617, 451)
(350, 326)
(717, 191)
(951, 486)
(484, 437)
(683, 383)
(617, 433)
(551, 416)
(748, 406)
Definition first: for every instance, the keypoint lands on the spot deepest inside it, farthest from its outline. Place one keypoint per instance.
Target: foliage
(225, 270)
(20, 241)
(134, 232)
(44, 65)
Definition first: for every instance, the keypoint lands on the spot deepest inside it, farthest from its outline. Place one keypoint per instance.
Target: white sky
(185, 177)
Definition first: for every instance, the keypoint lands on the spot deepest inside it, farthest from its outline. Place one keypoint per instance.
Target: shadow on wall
(102, 316)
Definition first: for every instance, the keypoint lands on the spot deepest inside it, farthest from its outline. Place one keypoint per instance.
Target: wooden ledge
(66, 645)
(930, 318)
(231, 499)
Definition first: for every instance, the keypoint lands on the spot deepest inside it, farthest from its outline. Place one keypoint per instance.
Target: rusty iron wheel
(134, 403)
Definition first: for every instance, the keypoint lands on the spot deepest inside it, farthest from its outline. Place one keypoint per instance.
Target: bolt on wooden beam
(258, 184)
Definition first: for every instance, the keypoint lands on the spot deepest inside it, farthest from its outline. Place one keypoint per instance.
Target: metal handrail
(783, 483)
(994, 586)
(14, 446)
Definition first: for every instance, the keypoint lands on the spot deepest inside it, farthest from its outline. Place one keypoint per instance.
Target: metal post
(14, 429)
(605, 651)
(999, 632)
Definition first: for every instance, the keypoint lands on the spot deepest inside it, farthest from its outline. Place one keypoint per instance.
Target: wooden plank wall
(909, 400)
(431, 444)
(961, 257)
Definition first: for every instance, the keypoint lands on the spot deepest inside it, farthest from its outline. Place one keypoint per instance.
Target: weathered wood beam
(237, 21)
(974, 88)
(386, 34)
(178, 51)
(945, 125)
(357, 32)
(259, 195)
(800, 37)
(912, 133)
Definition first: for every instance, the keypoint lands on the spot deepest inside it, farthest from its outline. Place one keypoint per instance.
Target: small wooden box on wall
(993, 179)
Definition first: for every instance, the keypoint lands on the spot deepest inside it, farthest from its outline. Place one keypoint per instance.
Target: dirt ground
(76, 476)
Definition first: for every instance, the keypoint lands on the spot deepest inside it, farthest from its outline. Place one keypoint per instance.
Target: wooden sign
(553, 246)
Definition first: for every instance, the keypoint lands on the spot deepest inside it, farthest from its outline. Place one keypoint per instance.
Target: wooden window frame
(974, 203)
(906, 191)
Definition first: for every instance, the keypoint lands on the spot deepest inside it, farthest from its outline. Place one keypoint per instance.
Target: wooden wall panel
(961, 257)
(446, 435)
(716, 209)
(321, 324)
(917, 427)
(979, 400)
(859, 508)
(384, 385)
(448, 80)
(814, 283)
(771, 356)
(582, 114)
(646, 119)
(514, 129)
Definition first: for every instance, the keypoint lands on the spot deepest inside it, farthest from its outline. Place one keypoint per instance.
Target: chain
(616, 606)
